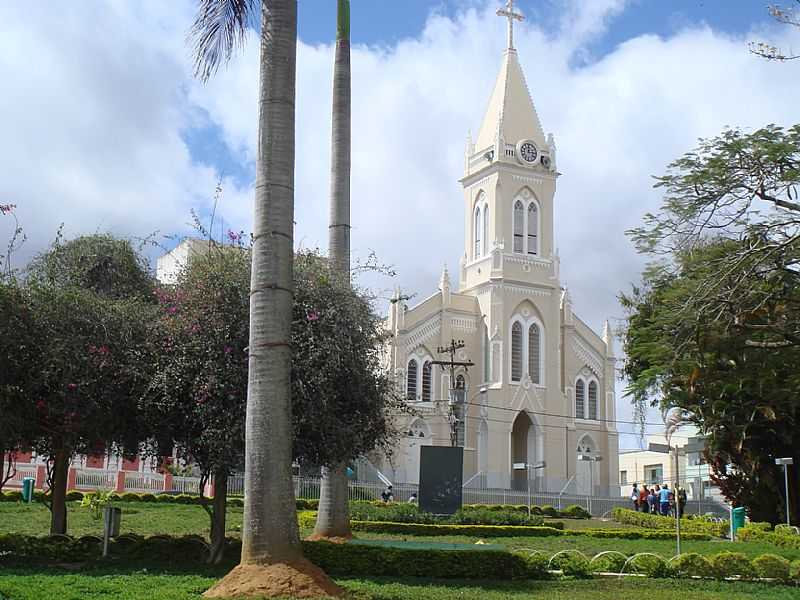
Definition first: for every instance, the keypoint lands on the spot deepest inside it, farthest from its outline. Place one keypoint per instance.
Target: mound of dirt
(337, 539)
(298, 579)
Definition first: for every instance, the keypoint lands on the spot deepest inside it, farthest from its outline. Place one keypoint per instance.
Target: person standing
(681, 501)
(651, 500)
(635, 497)
(643, 493)
(663, 499)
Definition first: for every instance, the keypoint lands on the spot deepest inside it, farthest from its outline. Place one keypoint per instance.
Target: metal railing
(19, 475)
(144, 482)
(95, 479)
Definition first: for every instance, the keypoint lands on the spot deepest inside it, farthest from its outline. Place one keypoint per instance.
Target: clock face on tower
(527, 152)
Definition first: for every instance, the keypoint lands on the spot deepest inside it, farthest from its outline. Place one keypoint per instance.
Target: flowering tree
(84, 331)
(197, 399)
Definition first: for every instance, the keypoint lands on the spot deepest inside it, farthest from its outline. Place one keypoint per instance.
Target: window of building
(485, 229)
(534, 353)
(580, 399)
(533, 229)
(478, 223)
(654, 473)
(519, 226)
(516, 351)
(411, 380)
(427, 383)
(593, 400)
(623, 477)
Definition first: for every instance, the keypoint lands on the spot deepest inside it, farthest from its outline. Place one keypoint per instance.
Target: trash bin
(27, 489)
(738, 519)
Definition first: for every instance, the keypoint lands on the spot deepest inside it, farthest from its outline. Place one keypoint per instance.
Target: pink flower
(172, 310)
(72, 386)
(312, 315)
(228, 349)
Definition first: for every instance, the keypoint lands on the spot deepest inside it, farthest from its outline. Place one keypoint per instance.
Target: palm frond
(219, 28)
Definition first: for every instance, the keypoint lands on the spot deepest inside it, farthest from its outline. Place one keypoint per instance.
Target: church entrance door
(519, 450)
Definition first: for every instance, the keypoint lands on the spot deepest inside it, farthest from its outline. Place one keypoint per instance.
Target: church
(541, 390)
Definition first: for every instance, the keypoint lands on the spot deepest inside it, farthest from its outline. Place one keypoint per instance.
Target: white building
(542, 388)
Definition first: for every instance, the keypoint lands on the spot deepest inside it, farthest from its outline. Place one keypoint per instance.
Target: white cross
(509, 13)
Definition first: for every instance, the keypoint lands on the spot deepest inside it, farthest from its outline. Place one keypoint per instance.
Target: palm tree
(269, 531)
(333, 519)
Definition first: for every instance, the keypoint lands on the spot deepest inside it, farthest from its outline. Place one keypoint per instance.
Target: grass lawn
(121, 584)
(180, 519)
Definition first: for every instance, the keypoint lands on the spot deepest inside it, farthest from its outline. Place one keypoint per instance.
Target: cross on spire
(508, 12)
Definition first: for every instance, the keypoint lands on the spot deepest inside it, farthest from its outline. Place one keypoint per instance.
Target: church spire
(511, 112)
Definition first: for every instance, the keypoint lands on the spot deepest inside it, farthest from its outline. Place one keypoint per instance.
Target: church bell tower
(509, 183)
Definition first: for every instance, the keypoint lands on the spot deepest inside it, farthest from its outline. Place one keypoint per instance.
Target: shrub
(572, 564)
(731, 564)
(129, 497)
(694, 525)
(650, 565)
(306, 519)
(771, 566)
(608, 562)
(794, 570)
(549, 511)
(164, 498)
(235, 501)
(759, 525)
(692, 565)
(575, 512)
(409, 513)
(785, 529)
(147, 497)
(74, 495)
(12, 496)
(306, 504)
(776, 538)
(447, 529)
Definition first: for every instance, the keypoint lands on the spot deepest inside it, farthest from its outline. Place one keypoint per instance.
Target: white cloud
(98, 98)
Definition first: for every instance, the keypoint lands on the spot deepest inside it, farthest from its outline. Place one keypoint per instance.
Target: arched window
(580, 399)
(534, 352)
(460, 383)
(485, 229)
(593, 400)
(411, 381)
(478, 222)
(519, 226)
(426, 381)
(533, 228)
(516, 351)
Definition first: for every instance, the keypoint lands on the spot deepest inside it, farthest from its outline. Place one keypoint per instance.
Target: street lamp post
(786, 462)
(592, 459)
(528, 466)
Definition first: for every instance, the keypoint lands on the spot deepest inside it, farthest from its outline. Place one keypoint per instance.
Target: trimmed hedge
(361, 560)
(446, 529)
(646, 520)
(409, 513)
(781, 540)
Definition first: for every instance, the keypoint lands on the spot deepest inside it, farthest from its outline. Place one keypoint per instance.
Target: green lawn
(121, 584)
(179, 519)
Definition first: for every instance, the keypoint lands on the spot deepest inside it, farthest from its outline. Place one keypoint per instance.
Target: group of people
(387, 496)
(659, 500)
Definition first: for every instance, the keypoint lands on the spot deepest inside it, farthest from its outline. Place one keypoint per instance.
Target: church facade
(541, 391)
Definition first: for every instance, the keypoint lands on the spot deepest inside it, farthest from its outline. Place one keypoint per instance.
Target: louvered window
(533, 227)
(516, 352)
(411, 381)
(485, 229)
(580, 399)
(427, 384)
(534, 350)
(593, 400)
(519, 227)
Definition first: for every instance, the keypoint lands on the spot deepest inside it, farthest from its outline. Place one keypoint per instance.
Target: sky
(105, 129)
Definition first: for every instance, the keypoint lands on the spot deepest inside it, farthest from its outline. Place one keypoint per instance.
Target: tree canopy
(713, 329)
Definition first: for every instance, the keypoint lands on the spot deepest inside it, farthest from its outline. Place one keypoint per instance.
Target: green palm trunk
(334, 514)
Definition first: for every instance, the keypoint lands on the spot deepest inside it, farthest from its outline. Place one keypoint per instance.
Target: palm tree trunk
(333, 519)
(270, 519)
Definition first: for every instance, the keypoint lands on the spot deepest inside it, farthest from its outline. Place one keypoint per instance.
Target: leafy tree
(714, 329)
(340, 394)
(83, 365)
(197, 398)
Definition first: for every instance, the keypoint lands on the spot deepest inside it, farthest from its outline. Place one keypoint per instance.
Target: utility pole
(457, 400)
